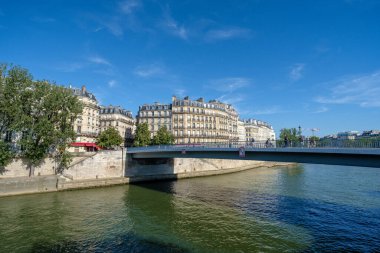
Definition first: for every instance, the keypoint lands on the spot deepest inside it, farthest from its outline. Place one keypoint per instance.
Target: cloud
(229, 84)
(112, 83)
(129, 6)
(267, 111)
(71, 67)
(321, 109)
(180, 92)
(360, 90)
(232, 99)
(99, 60)
(296, 71)
(171, 26)
(149, 71)
(227, 33)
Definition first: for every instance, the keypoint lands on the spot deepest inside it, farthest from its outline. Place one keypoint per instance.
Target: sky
(314, 64)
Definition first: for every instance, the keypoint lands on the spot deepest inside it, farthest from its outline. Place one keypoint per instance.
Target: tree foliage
(163, 137)
(290, 134)
(6, 155)
(110, 138)
(142, 137)
(41, 113)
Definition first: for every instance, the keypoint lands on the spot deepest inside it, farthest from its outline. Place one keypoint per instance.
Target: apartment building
(192, 121)
(87, 124)
(156, 115)
(257, 130)
(119, 118)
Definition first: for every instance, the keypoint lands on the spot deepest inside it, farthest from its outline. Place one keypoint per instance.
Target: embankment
(111, 168)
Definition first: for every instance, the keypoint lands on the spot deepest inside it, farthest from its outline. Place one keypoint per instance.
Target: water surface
(310, 208)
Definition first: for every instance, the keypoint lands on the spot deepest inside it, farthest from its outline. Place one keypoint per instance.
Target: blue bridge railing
(277, 144)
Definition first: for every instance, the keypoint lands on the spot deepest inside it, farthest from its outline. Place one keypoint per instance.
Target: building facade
(257, 130)
(87, 125)
(119, 118)
(192, 121)
(156, 116)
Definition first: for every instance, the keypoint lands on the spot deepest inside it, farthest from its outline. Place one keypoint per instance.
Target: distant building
(192, 121)
(241, 131)
(197, 121)
(348, 135)
(119, 118)
(370, 133)
(257, 130)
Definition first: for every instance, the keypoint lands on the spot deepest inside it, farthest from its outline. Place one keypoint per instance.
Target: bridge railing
(278, 144)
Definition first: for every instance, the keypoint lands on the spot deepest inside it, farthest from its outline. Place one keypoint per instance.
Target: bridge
(354, 154)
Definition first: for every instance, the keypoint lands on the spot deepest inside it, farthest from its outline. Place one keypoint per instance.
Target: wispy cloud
(321, 109)
(360, 90)
(180, 92)
(129, 6)
(171, 26)
(229, 84)
(149, 71)
(296, 71)
(112, 83)
(99, 60)
(232, 98)
(71, 67)
(267, 111)
(227, 33)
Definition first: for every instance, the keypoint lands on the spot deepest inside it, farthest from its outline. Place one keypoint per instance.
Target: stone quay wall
(111, 168)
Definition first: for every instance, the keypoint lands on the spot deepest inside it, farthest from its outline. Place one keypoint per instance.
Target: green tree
(47, 126)
(110, 138)
(163, 137)
(142, 136)
(290, 133)
(42, 113)
(6, 155)
(15, 88)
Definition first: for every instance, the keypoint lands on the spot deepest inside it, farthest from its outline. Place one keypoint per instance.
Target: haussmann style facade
(197, 121)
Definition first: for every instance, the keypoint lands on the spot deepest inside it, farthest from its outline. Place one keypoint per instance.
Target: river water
(309, 208)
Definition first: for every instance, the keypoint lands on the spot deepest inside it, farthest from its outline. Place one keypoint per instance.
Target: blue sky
(310, 63)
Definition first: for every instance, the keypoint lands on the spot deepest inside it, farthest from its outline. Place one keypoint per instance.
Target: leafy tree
(6, 155)
(15, 89)
(48, 123)
(142, 137)
(163, 137)
(41, 112)
(314, 138)
(109, 138)
(290, 133)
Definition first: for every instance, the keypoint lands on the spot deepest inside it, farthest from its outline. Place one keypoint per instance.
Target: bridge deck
(366, 157)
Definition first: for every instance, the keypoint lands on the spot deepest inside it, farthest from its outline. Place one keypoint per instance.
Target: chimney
(174, 98)
(83, 89)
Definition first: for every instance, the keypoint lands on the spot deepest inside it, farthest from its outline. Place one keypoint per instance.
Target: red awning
(85, 144)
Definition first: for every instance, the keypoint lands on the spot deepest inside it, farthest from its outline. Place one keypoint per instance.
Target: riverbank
(111, 168)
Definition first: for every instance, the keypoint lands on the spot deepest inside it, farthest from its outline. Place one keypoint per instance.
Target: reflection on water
(296, 209)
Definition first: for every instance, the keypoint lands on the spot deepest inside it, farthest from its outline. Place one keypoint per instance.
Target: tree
(142, 137)
(163, 137)
(47, 127)
(109, 138)
(6, 155)
(15, 87)
(290, 133)
(42, 113)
